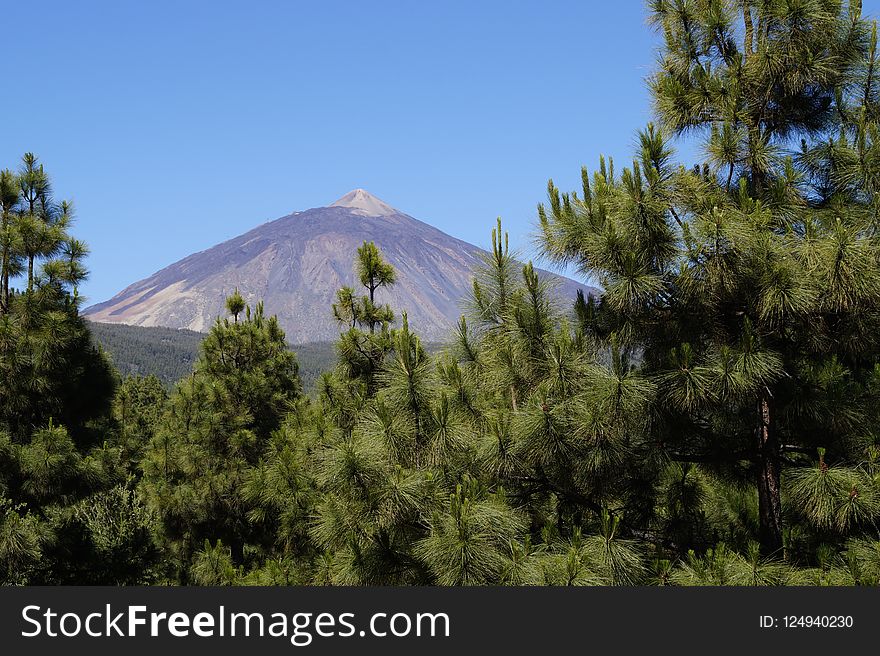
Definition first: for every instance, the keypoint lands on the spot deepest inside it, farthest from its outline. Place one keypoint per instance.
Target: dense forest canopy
(711, 418)
(170, 353)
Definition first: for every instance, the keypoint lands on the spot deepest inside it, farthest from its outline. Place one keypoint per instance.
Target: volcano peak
(363, 202)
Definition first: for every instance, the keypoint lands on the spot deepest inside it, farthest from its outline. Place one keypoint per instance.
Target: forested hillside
(169, 353)
(712, 418)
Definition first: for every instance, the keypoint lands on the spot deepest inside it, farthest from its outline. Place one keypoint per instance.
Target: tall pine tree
(749, 285)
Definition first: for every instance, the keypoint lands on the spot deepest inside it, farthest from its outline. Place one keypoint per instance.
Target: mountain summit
(296, 263)
(363, 202)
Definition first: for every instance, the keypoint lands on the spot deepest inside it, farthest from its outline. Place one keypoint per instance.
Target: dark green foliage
(50, 369)
(166, 353)
(170, 354)
(137, 409)
(215, 437)
(748, 286)
(107, 539)
(48, 366)
(67, 510)
(711, 418)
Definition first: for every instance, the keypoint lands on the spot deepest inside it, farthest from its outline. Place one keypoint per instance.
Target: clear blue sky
(176, 125)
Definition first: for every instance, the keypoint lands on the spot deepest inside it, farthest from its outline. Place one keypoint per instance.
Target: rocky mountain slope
(296, 263)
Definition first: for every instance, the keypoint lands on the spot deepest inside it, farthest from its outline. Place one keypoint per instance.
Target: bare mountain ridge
(296, 263)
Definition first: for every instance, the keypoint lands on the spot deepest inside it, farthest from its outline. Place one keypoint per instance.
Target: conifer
(739, 280)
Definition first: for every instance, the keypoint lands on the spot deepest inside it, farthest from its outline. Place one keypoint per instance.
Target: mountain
(296, 263)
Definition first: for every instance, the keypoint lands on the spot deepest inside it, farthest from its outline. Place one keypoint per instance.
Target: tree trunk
(769, 498)
(7, 263)
(4, 295)
(372, 287)
(749, 29)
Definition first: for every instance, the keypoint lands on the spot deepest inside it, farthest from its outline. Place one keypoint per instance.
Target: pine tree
(560, 423)
(740, 281)
(210, 445)
(59, 458)
(374, 273)
(400, 501)
(362, 348)
(48, 366)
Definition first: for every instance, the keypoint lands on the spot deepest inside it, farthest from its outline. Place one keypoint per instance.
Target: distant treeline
(166, 353)
(170, 353)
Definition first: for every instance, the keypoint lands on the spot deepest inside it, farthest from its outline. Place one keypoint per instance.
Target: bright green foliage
(369, 516)
(749, 286)
(470, 540)
(118, 528)
(558, 422)
(22, 537)
(373, 274)
(399, 502)
(213, 565)
(235, 305)
(721, 566)
(365, 344)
